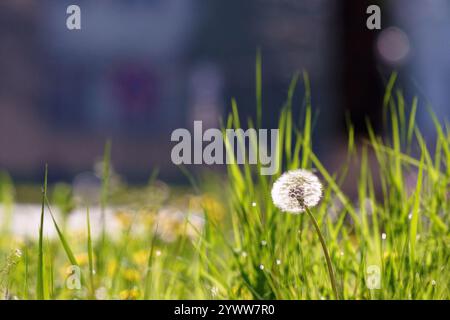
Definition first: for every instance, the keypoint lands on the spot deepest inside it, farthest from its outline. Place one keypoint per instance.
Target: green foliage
(397, 220)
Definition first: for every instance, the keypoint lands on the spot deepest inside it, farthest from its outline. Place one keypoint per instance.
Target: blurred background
(138, 69)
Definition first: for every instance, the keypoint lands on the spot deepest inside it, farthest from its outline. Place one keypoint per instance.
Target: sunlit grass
(245, 248)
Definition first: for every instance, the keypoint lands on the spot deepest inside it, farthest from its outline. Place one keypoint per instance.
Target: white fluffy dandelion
(295, 190)
(18, 253)
(214, 291)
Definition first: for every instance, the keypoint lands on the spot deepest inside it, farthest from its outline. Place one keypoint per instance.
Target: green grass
(248, 249)
(40, 285)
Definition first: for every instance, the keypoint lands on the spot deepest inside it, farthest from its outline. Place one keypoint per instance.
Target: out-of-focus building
(64, 93)
(138, 69)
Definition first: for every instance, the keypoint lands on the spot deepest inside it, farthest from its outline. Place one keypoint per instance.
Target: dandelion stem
(325, 251)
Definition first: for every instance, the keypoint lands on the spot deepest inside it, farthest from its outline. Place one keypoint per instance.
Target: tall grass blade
(40, 294)
(90, 253)
(62, 238)
(416, 213)
(147, 281)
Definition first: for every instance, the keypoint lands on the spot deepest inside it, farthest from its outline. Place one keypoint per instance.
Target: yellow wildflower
(140, 257)
(213, 208)
(125, 218)
(131, 275)
(131, 294)
(111, 268)
(82, 258)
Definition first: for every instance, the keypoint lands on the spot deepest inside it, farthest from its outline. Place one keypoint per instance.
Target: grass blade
(63, 240)
(416, 212)
(149, 265)
(90, 253)
(40, 294)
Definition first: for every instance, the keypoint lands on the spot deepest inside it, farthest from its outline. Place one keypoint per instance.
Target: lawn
(223, 237)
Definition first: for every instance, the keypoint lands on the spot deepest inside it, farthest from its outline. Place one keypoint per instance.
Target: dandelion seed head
(295, 190)
(214, 291)
(101, 293)
(244, 254)
(383, 236)
(18, 253)
(261, 266)
(278, 261)
(263, 243)
(253, 204)
(433, 282)
(158, 253)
